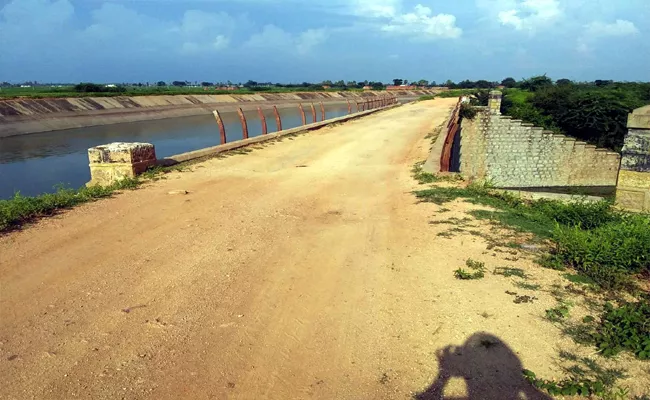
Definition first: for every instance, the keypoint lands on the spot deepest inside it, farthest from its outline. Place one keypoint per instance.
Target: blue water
(38, 163)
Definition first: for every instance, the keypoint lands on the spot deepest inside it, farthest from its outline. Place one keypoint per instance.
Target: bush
(609, 253)
(467, 111)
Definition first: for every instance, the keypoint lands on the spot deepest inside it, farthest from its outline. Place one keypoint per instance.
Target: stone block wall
(513, 154)
(633, 190)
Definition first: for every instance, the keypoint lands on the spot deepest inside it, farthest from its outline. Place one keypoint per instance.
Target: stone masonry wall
(511, 154)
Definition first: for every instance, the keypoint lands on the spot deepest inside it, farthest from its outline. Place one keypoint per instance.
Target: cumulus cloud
(273, 38)
(530, 14)
(422, 23)
(597, 29)
(619, 28)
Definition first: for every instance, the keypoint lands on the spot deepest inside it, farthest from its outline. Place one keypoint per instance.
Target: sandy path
(302, 270)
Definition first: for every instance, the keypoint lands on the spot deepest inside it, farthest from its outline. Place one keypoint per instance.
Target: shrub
(609, 253)
(625, 328)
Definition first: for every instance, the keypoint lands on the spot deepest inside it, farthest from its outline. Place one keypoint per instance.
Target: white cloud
(619, 28)
(597, 29)
(530, 14)
(374, 8)
(274, 38)
(423, 24)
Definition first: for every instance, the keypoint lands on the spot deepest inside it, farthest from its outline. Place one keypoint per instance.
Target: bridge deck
(303, 269)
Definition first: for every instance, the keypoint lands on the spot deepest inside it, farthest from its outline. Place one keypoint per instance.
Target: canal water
(39, 163)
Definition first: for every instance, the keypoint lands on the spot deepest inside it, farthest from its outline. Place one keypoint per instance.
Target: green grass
(428, 97)
(599, 242)
(21, 209)
(476, 266)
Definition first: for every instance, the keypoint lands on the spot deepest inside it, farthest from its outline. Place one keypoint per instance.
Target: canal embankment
(25, 116)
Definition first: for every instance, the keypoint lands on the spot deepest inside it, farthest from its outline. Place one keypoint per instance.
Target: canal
(39, 163)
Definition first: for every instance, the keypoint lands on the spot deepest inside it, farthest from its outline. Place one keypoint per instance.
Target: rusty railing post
(313, 113)
(349, 107)
(263, 119)
(222, 128)
(278, 121)
(302, 114)
(244, 125)
(322, 111)
(357, 106)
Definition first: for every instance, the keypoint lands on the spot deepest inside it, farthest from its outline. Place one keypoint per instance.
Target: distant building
(327, 87)
(367, 88)
(225, 88)
(111, 85)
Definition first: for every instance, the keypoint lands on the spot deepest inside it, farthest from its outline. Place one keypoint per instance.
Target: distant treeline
(595, 112)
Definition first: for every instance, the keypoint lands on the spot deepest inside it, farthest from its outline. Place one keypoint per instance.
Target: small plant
(625, 328)
(567, 387)
(559, 313)
(509, 271)
(478, 267)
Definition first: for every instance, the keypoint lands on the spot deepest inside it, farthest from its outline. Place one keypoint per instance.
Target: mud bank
(24, 116)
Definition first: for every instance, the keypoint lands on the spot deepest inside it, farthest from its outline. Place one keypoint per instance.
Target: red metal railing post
(222, 128)
(313, 113)
(322, 111)
(302, 114)
(263, 119)
(244, 125)
(278, 121)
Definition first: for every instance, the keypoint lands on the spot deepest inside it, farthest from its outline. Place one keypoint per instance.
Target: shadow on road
(490, 369)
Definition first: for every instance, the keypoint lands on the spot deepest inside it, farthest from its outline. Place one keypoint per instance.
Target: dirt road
(304, 269)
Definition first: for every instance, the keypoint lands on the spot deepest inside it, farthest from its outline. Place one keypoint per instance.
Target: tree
(327, 83)
(250, 84)
(179, 83)
(450, 84)
(433, 83)
(536, 83)
(423, 82)
(483, 84)
(398, 82)
(339, 84)
(563, 82)
(206, 84)
(509, 82)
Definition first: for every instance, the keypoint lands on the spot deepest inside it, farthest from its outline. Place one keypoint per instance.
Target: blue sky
(298, 40)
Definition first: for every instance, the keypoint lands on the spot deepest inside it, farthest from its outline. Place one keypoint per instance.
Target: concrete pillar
(494, 104)
(113, 162)
(633, 188)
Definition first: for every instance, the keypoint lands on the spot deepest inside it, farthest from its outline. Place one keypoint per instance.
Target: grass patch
(601, 243)
(427, 97)
(478, 268)
(22, 209)
(426, 177)
(558, 313)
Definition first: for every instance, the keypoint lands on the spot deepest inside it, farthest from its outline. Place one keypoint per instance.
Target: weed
(21, 209)
(626, 327)
(599, 242)
(558, 313)
(568, 386)
(465, 275)
(477, 266)
(509, 271)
